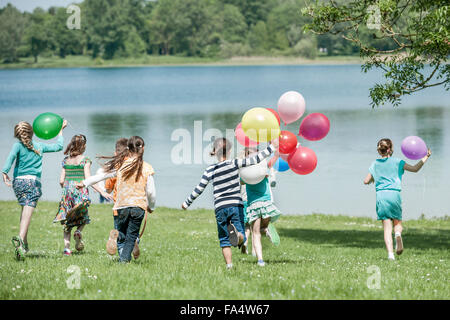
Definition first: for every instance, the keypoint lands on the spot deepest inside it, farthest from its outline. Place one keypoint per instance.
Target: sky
(30, 5)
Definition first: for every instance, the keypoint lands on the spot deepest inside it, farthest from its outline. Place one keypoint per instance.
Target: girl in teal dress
(387, 174)
(260, 212)
(73, 207)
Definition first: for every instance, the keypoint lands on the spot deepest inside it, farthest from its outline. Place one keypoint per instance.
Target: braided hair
(24, 132)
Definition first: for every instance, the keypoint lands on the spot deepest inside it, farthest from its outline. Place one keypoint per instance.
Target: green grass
(320, 257)
(149, 60)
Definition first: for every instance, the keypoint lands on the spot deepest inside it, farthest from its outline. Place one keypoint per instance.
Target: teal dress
(387, 174)
(259, 202)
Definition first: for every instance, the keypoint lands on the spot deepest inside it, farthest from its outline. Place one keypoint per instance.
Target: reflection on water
(158, 104)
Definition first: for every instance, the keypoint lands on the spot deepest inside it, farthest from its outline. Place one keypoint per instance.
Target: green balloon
(47, 125)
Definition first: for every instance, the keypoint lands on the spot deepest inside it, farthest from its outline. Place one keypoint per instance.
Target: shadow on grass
(414, 238)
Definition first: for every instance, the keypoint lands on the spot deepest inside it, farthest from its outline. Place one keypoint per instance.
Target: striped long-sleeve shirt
(225, 178)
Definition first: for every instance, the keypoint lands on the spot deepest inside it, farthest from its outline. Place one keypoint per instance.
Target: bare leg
(387, 225)
(256, 238)
(80, 228)
(25, 220)
(398, 236)
(226, 251)
(67, 235)
(398, 226)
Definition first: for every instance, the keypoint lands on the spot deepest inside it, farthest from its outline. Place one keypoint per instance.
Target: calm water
(152, 102)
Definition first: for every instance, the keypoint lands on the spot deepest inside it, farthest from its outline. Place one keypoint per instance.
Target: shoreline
(175, 61)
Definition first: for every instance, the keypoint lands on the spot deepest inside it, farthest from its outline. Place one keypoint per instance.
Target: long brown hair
(24, 132)
(385, 147)
(135, 146)
(76, 146)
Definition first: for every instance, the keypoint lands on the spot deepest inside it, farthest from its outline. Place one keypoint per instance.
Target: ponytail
(24, 132)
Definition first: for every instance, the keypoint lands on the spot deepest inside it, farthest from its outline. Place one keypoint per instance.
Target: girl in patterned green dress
(73, 207)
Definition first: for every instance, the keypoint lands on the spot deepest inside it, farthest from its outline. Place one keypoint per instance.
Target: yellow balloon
(260, 124)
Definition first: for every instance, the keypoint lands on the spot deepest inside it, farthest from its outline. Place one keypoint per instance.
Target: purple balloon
(414, 148)
(314, 127)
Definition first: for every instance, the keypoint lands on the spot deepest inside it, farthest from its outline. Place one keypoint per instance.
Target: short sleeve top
(75, 172)
(387, 173)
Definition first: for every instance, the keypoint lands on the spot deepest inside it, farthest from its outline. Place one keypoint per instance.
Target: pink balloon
(314, 127)
(242, 138)
(302, 161)
(291, 106)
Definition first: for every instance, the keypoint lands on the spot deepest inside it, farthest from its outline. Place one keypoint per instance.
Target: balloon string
(423, 192)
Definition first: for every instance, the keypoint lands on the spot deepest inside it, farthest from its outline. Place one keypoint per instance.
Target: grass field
(148, 60)
(320, 257)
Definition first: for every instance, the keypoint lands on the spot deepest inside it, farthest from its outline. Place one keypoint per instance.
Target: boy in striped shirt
(227, 193)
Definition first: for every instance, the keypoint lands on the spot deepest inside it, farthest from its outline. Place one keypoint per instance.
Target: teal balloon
(47, 125)
(281, 165)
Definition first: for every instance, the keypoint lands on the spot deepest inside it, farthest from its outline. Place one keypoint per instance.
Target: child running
(387, 174)
(227, 196)
(261, 212)
(111, 186)
(74, 204)
(135, 193)
(27, 155)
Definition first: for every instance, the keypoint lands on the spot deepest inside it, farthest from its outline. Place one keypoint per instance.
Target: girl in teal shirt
(27, 155)
(387, 174)
(260, 210)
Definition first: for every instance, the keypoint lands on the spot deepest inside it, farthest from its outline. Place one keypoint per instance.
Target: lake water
(152, 102)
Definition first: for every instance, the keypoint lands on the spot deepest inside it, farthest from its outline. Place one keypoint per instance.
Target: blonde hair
(385, 147)
(24, 132)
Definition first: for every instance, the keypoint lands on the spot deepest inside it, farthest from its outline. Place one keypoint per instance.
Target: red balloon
(275, 114)
(288, 142)
(242, 138)
(302, 161)
(314, 127)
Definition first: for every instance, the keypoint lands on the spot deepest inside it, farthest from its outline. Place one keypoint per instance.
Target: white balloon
(254, 174)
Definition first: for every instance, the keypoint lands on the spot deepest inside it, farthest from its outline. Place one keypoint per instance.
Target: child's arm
(87, 175)
(150, 191)
(368, 179)
(8, 164)
(259, 157)
(62, 177)
(97, 178)
(58, 146)
(206, 177)
(274, 159)
(418, 165)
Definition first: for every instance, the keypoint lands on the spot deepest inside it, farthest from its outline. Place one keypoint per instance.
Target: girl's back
(387, 173)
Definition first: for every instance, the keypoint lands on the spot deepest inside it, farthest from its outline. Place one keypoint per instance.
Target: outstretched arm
(418, 165)
(368, 179)
(206, 177)
(273, 159)
(58, 146)
(259, 157)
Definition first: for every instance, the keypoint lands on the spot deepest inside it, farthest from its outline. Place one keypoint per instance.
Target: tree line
(193, 28)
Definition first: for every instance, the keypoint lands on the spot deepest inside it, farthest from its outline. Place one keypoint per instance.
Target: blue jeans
(128, 224)
(235, 215)
(119, 245)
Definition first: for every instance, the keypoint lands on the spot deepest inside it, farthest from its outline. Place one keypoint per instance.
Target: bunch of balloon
(315, 126)
(263, 125)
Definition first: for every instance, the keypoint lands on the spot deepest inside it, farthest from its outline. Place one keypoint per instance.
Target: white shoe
(391, 256)
(261, 263)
